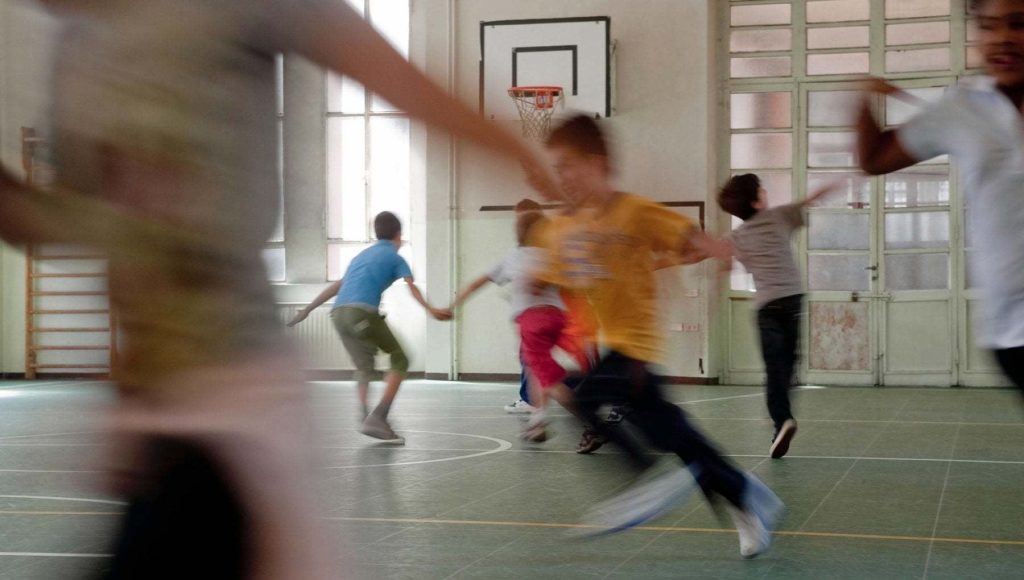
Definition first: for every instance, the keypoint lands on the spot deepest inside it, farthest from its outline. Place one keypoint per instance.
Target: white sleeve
(500, 274)
(931, 132)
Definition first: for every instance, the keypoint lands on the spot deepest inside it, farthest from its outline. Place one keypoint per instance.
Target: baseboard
(343, 375)
(12, 376)
(514, 378)
(435, 376)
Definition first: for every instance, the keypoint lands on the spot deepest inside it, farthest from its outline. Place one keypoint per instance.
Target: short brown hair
(386, 226)
(525, 224)
(527, 204)
(580, 133)
(739, 194)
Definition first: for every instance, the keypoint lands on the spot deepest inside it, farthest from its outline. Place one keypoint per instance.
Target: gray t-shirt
(517, 271)
(764, 246)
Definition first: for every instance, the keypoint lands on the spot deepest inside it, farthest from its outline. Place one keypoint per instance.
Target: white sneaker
(761, 514)
(640, 503)
(520, 407)
(754, 538)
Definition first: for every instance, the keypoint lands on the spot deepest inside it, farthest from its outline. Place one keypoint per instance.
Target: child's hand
(441, 314)
(881, 86)
(299, 317)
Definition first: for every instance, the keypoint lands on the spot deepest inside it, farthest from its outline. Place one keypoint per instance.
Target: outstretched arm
(327, 294)
(879, 150)
(437, 313)
(338, 38)
(468, 291)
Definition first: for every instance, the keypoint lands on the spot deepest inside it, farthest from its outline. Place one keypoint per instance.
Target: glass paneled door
(880, 265)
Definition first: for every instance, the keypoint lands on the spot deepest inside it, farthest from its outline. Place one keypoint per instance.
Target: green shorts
(364, 333)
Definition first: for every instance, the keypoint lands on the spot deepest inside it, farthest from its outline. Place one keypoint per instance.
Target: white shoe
(640, 503)
(761, 514)
(754, 538)
(780, 444)
(520, 407)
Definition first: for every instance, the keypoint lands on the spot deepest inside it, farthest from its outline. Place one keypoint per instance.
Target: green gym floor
(880, 483)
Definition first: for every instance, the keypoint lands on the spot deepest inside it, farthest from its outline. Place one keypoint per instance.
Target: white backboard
(572, 53)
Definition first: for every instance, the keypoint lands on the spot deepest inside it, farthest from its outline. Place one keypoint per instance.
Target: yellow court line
(793, 533)
(556, 525)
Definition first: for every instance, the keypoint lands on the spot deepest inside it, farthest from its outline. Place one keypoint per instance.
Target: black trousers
(1012, 361)
(186, 522)
(619, 380)
(779, 324)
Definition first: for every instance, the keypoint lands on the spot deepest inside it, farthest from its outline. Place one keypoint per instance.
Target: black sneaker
(783, 437)
(590, 442)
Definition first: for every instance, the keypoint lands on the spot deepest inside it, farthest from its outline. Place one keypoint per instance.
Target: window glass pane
(779, 188)
(838, 64)
(974, 57)
(358, 5)
(854, 191)
(916, 8)
(762, 151)
(840, 37)
(391, 19)
(831, 150)
(389, 168)
(846, 272)
(761, 110)
(344, 95)
(917, 272)
(273, 260)
(769, 66)
(915, 231)
(279, 82)
(740, 279)
(972, 31)
(760, 40)
(760, 14)
(838, 231)
(917, 33)
(346, 178)
(917, 60)
(339, 256)
(898, 111)
(278, 234)
(917, 187)
(832, 108)
(838, 10)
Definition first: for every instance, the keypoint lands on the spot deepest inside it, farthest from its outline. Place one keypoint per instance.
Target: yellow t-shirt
(608, 254)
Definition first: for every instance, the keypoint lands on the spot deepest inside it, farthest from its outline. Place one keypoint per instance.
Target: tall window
(273, 254)
(792, 68)
(368, 149)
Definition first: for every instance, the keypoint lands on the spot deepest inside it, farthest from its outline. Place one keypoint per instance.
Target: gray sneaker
(378, 428)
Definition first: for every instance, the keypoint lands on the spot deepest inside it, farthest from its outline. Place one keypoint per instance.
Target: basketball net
(536, 106)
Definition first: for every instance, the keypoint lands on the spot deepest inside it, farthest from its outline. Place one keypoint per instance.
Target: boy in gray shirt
(763, 244)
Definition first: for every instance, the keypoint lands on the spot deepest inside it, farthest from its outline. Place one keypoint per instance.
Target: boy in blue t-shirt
(361, 326)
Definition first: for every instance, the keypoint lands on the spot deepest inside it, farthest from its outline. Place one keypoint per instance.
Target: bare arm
(468, 291)
(27, 218)
(327, 294)
(820, 193)
(879, 150)
(437, 313)
(338, 38)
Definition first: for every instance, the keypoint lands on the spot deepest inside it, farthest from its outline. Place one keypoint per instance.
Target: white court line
(9, 437)
(51, 471)
(32, 385)
(503, 445)
(54, 555)
(57, 498)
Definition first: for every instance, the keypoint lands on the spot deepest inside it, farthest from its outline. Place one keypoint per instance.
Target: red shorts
(541, 329)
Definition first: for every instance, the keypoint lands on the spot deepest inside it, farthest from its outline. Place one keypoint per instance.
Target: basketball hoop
(536, 105)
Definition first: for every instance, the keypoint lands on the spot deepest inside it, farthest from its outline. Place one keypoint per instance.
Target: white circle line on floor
(57, 498)
(503, 445)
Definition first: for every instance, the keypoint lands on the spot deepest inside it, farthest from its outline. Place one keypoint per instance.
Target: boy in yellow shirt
(610, 258)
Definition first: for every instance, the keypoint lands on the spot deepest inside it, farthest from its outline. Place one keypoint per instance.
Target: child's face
(580, 175)
(1001, 32)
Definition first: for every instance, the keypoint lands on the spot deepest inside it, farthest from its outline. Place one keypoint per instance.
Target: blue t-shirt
(370, 274)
